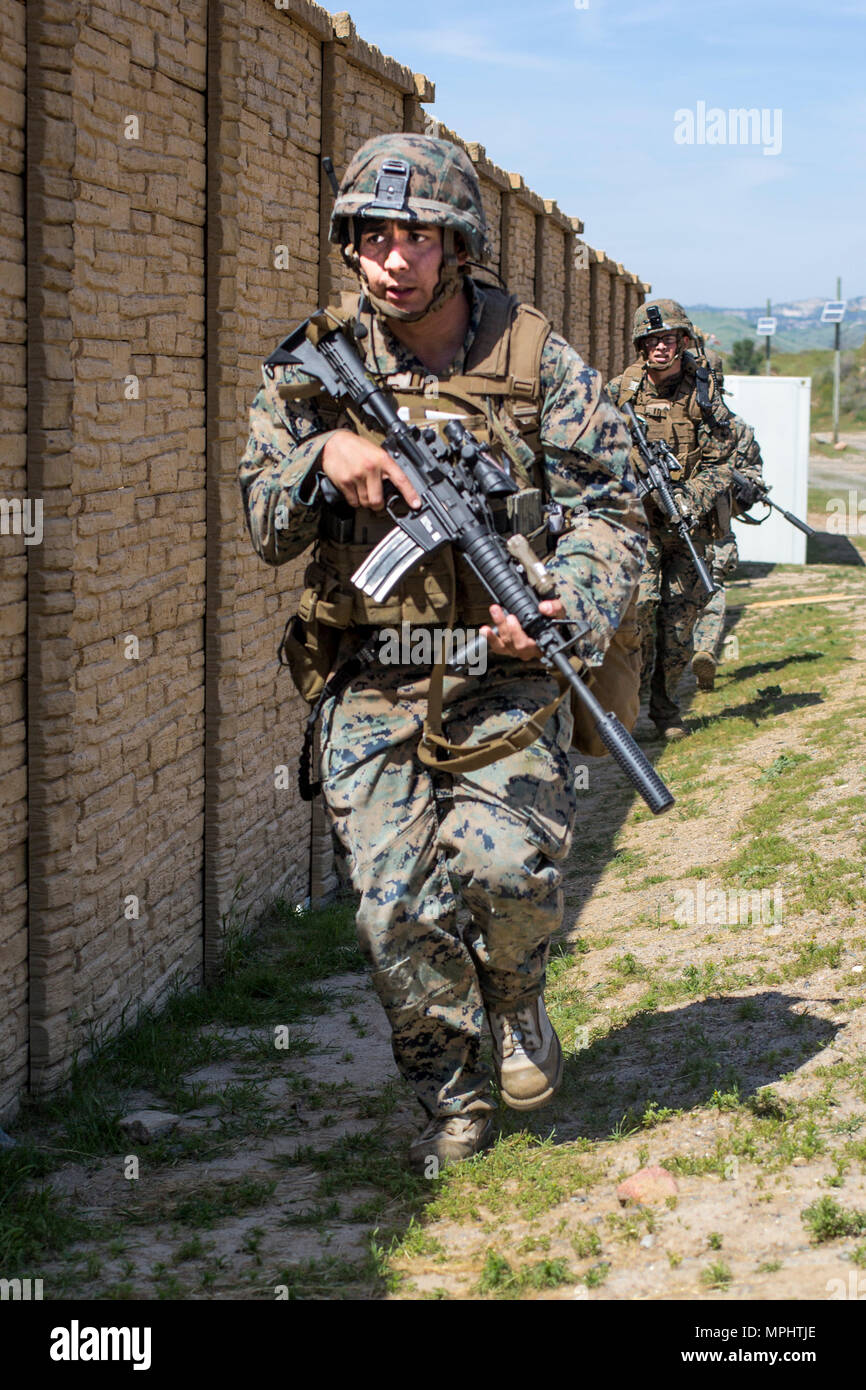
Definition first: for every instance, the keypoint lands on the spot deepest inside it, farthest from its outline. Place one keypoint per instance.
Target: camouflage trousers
(670, 600)
(711, 624)
(418, 841)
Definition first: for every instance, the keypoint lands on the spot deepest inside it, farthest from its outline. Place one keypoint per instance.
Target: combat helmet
(412, 178)
(660, 316)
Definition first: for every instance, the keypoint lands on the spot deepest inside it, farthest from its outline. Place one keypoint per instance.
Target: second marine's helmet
(412, 179)
(660, 316)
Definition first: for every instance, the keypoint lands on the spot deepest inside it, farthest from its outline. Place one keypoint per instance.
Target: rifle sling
(435, 750)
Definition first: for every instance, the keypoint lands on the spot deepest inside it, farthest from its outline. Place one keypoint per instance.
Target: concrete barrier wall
(163, 223)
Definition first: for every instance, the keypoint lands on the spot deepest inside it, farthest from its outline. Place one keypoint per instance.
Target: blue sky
(582, 102)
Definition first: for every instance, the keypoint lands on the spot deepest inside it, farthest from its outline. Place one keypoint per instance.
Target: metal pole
(768, 341)
(837, 370)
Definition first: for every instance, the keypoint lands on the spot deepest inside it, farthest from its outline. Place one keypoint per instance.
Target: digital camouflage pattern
(498, 843)
(442, 190)
(722, 560)
(673, 316)
(495, 843)
(722, 556)
(671, 597)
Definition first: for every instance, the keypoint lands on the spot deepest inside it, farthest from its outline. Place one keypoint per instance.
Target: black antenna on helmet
(328, 166)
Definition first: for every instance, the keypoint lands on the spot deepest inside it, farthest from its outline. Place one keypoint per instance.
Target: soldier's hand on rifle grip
(508, 637)
(357, 467)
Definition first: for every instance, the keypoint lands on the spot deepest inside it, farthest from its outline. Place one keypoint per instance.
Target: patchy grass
(826, 1220)
(499, 1280)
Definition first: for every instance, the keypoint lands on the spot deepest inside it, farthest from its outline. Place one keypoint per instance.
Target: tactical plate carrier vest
(692, 420)
(498, 397)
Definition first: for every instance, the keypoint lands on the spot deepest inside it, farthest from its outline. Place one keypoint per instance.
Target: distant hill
(798, 325)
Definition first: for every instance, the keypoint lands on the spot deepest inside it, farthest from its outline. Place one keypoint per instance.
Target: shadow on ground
(678, 1059)
(824, 548)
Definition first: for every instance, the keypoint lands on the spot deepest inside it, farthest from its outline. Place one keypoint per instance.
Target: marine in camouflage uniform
(418, 841)
(684, 409)
(722, 555)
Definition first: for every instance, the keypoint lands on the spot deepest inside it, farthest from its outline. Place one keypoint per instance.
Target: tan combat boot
(671, 732)
(450, 1139)
(704, 667)
(526, 1054)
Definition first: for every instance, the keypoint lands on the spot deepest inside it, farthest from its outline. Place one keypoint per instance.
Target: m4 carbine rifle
(657, 459)
(454, 479)
(747, 491)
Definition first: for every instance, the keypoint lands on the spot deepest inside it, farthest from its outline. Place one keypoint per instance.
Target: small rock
(6, 1140)
(648, 1241)
(648, 1185)
(144, 1125)
(799, 1162)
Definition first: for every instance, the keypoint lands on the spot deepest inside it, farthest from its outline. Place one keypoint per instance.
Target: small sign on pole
(834, 312)
(766, 328)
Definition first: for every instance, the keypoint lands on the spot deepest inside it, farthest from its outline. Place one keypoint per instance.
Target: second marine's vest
(686, 416)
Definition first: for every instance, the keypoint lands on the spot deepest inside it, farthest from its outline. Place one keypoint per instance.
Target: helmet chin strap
(449, 283)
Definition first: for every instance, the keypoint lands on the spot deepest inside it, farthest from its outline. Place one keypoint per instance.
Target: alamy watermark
(847, 517)
(20, 1290)
(737, 126)
(731, 907)
(462, 648)
(21, 517)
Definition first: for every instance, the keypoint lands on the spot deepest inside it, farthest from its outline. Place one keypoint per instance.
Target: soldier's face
(661, 349)
(402, 263)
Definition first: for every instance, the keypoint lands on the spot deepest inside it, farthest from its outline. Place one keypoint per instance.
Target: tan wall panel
(550, 271)
(137, 304)
(13, 564)
(278, 205)
(492, 198)
(518, 249)
(581, 301)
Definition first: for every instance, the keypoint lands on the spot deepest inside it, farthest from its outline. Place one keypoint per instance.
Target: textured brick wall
(116, 427)
(492, 198)
(260, 831)
(518, 250)
(635, 294)
(616, 359)
(550, 268)
(581, 299)
(166, 228)
(599, 312)
(13, 562)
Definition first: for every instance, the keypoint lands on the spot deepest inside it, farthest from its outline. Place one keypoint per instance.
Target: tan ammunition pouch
(615, 684)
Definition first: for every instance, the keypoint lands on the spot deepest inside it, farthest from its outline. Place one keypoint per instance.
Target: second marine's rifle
(747, 492)
(656, 482)
(455, 480)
